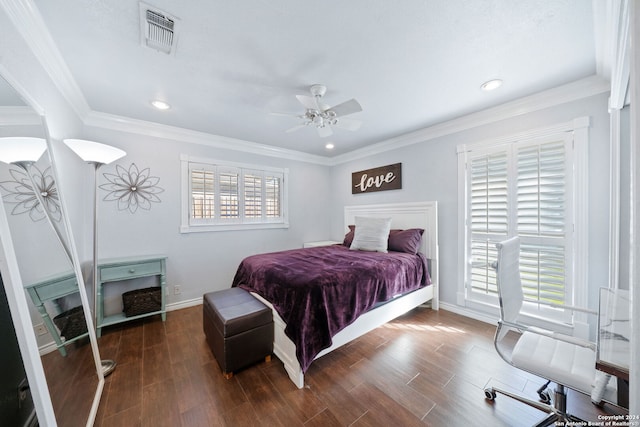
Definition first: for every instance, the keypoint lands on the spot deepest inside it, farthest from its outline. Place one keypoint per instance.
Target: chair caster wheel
(489, 394)
(545, 397)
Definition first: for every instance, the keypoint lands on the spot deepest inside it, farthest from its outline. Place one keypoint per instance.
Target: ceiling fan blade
(284, 114)
(348, 124)
(325, 131)
(348, 107)
(312, 103)
(295, 128)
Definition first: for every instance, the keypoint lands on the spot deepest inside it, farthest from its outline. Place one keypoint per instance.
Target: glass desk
(613, 354)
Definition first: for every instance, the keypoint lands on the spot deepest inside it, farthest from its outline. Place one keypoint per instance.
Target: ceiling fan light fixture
(491, 85)
(318, 90)
(160, 105)
(322, 116)
(329, 146)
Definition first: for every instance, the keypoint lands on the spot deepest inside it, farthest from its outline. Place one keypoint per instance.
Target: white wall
(201, 262)
(430, 173)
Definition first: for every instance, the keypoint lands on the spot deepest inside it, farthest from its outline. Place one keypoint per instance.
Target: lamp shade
(94, 152)
(21, 149)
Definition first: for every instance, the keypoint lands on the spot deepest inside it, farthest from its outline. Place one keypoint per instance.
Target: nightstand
(51, 290)
(125, 269)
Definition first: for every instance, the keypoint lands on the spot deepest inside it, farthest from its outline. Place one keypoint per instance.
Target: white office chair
(565, 360)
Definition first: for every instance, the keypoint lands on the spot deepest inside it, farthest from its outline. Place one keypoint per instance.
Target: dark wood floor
(425, 368)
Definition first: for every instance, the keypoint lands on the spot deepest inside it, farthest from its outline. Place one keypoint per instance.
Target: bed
(318, 279)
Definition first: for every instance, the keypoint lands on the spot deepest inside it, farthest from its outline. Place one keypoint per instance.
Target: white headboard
(405, 215)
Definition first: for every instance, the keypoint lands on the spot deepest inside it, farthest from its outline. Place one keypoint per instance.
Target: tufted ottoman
(238, 327)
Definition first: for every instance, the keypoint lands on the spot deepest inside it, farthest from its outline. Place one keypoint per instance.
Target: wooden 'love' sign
(377, 179)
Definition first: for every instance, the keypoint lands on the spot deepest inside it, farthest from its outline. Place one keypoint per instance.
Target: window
(224, 196)
(524, 187)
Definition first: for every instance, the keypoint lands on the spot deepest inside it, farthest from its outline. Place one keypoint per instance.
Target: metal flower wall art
(20, 192)
(132, 188)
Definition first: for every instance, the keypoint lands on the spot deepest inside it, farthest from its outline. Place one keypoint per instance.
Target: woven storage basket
(71, 323)
(141, 301)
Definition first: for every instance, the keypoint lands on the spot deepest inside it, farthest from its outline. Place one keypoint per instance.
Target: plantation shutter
(521, 189)
(202, 189)
(542, 220)
(488, 213)
(228, 194)
(273, 196)
(252, 195)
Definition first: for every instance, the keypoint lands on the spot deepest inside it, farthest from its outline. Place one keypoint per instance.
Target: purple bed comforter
(319, 291)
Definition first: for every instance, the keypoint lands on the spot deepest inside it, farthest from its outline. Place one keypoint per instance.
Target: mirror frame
(16, 294)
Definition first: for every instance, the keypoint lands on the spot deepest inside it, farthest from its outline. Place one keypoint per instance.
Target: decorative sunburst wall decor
(20, 192)
(132, 188)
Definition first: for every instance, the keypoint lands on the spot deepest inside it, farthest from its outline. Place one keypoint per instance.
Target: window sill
(232, 227)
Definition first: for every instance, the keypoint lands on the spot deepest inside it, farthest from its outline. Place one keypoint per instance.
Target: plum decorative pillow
(348, 238)
(408, 240)
(371, 234)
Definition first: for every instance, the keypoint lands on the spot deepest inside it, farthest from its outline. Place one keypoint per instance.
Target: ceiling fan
(322, 116)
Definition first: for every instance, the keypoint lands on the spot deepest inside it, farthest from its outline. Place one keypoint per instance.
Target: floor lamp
(96, 154)
(24, 152)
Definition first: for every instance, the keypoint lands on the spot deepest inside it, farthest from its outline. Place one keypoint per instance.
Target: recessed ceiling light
(329, 146)
(491, 85)
(160, 105)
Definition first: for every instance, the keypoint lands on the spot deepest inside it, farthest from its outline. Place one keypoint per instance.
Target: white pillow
(371, 234)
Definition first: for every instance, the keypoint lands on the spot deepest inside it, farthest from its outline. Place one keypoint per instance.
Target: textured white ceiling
(410, 64)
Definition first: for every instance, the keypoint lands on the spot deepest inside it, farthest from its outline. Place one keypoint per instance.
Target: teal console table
(117, 270)
(51, 290)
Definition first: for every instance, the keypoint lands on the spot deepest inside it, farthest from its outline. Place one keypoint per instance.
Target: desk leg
(623, 393)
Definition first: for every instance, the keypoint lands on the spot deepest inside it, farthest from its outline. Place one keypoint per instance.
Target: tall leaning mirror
(48, 266)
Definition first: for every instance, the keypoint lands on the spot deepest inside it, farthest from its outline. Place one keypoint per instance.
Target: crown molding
(19, 116)
(29, 23)
(574, 91)
(141, 127)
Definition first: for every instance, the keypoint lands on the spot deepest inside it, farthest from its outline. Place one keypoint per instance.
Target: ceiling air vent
(157, 29)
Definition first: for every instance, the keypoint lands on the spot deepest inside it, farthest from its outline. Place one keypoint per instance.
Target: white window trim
(187, 227)
(580, 128)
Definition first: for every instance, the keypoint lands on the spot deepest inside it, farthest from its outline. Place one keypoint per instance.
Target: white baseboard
(184, 304)
(463, 311)
(47, 348)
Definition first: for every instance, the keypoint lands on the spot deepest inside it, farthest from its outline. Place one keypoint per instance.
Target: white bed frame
(403, 215)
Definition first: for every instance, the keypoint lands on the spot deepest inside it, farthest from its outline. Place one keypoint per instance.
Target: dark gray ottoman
(238, 327)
